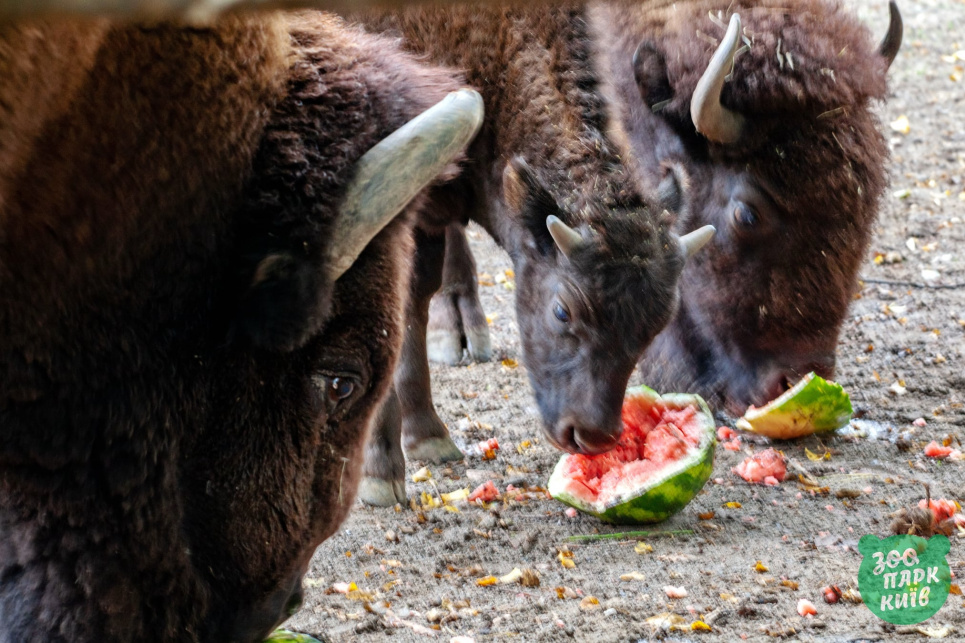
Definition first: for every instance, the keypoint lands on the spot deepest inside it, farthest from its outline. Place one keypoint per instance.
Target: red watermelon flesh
(652, 437)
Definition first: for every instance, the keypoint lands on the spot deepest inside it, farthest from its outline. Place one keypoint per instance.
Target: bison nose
(588, 438)
(255, 623)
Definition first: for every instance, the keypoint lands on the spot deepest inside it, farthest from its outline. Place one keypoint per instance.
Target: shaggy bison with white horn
(775, 127)
(202, 287)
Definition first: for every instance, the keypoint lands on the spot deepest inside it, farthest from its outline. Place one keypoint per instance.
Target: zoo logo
(904, 579)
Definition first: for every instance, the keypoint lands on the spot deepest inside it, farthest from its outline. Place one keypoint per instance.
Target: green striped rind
(284, 636)
(658, 498)
(813, 405)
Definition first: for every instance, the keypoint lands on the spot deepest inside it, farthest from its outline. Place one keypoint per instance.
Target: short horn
(892, 42)
(712, 119)
(567, 239)
(691, 242)
(392, 173)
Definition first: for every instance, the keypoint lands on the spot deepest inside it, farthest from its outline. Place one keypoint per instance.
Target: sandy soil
(901, 356)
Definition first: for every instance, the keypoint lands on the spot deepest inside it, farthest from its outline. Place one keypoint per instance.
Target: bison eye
(561, 313)
(340, 389)
(744, 216)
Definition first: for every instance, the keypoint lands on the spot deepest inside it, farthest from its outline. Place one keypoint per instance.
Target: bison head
(590, 299)
(780, 142)
(163, 476)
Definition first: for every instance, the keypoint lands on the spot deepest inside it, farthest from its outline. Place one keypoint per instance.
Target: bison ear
(650, 72)
(527, 196)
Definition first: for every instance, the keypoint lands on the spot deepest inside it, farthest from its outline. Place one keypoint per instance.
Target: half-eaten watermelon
(813, 405)
(664, 457)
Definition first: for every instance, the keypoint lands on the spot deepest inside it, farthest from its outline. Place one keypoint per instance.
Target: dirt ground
(901, 357)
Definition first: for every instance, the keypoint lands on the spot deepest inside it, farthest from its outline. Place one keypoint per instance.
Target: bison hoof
(381, 493)
(480, 346)
(435, 450)
(444, 346)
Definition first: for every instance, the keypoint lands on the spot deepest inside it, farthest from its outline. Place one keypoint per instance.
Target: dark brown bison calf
(596, 265)
(201, 304)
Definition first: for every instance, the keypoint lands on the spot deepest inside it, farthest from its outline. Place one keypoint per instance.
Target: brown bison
(596, 266)
(201, 304)
(769, 108)
(768, 133)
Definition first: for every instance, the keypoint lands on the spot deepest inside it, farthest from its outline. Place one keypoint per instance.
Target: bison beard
(185, 388)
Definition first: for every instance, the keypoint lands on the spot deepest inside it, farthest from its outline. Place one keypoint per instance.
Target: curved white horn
(712, 119)
(567, 239)
(889, 47)
(691, 242)
(390, 174)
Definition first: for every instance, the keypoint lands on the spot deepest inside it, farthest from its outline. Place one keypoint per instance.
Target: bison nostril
(295, 602)
(593, 441)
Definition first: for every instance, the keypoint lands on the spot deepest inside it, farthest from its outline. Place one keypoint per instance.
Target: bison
(769, 108)
(596, 264)
(202, 285)
(765, 129)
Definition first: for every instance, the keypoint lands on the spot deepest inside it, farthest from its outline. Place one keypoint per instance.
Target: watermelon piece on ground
(813, 405)
(284, 636)
(664, 457)
(766, 466)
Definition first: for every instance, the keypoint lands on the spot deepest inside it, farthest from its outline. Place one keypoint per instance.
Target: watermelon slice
(280, 636)
(813, 405)
(664, 457)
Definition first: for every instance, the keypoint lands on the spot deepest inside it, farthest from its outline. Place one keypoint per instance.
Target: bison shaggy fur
(184, 390)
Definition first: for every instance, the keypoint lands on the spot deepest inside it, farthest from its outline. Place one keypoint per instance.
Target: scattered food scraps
(901, 124)
(935, 450)
(675, 592)
(643, 548)
(590, 603)
(632, 576)
(566, 559)
(422, 475)
(761, 466)
(806, 607)
(486, 492)
(725, 433)
(456, 496)
(831, 594)
(941, 508)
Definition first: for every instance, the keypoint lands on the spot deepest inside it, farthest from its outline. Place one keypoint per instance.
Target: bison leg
(424, 435)
(383, 476)
(456, 317)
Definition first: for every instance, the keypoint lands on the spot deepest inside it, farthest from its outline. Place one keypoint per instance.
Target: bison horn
(691, 242)
(389, 175)
(892, 41)
(566, 238)
(712, 119)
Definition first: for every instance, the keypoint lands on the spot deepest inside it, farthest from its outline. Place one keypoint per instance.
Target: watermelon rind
(284, 636)
(813, 405)
(663, 495)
